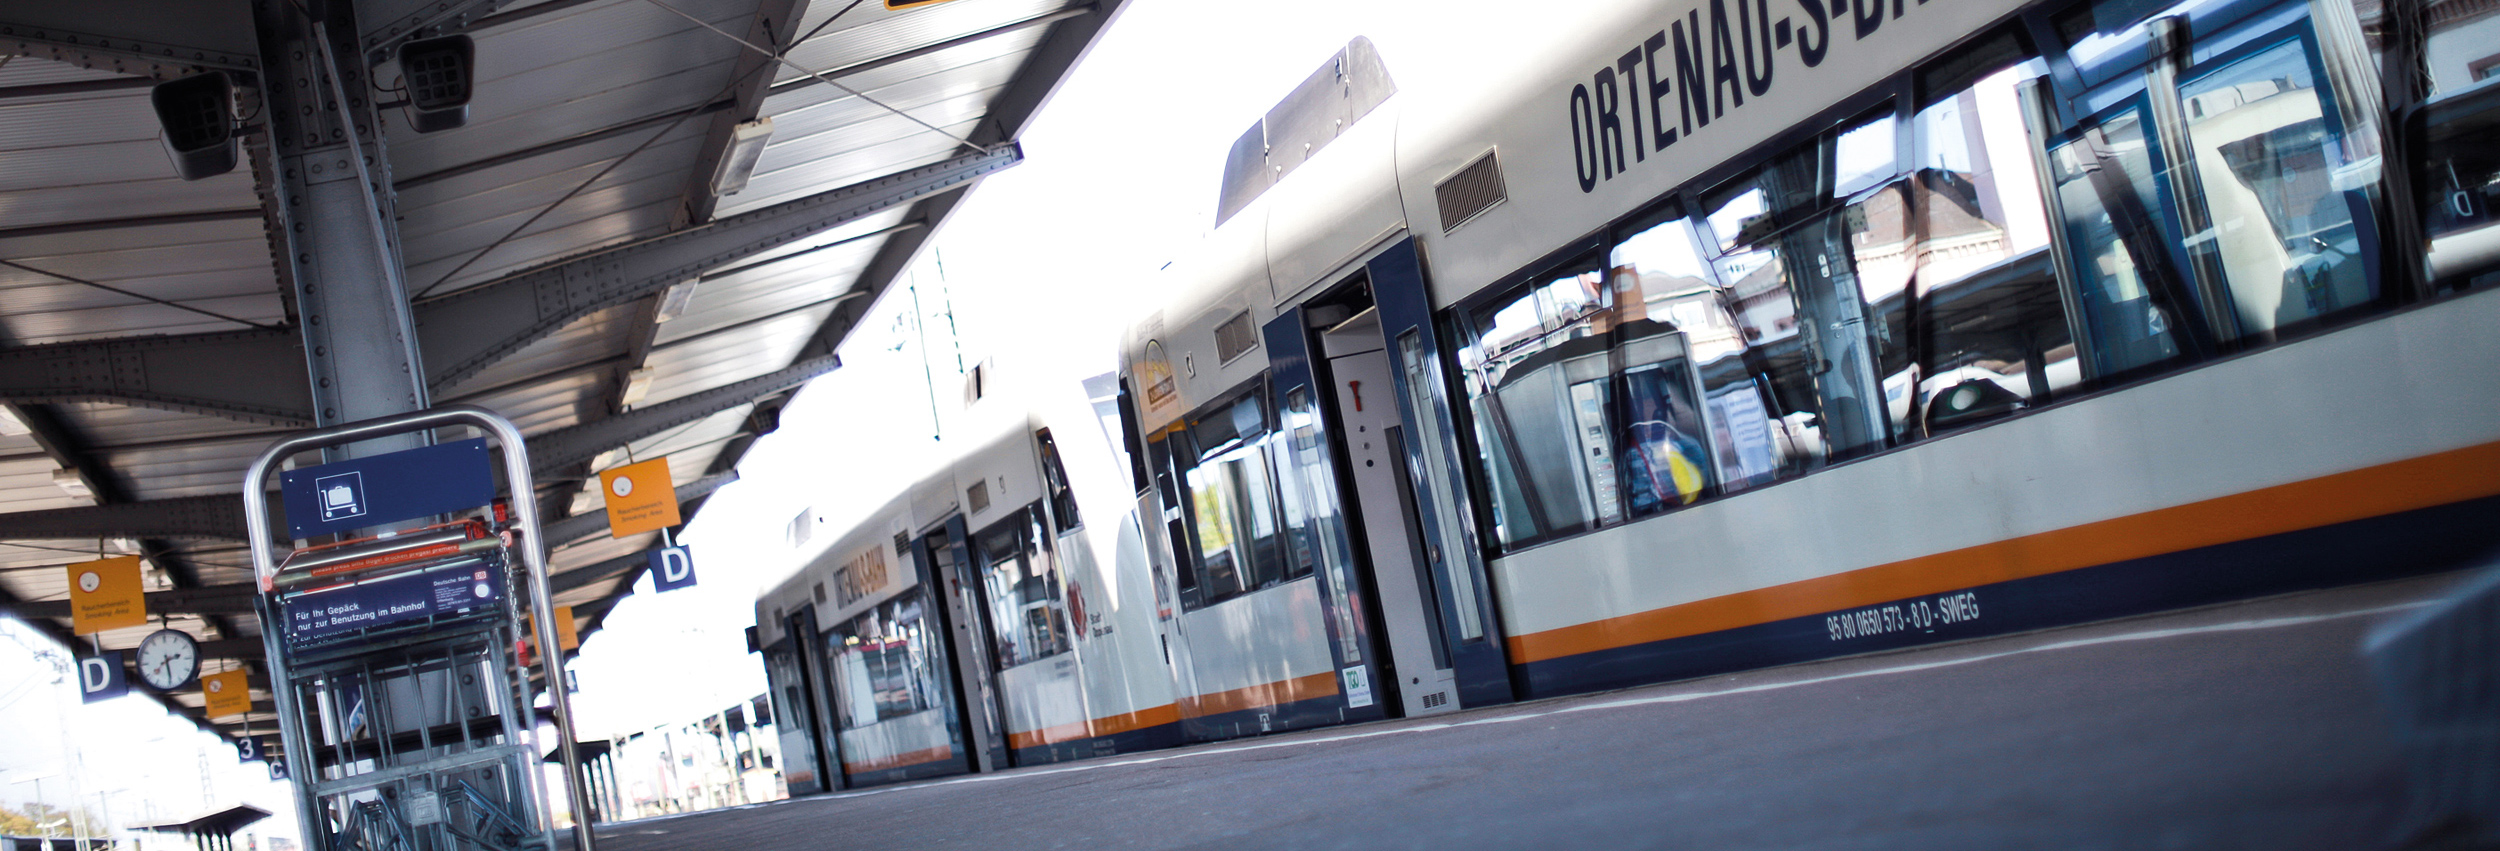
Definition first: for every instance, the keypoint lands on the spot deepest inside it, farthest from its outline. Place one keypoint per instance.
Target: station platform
(2249, 725)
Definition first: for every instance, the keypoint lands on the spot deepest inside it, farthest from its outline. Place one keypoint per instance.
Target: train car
(1555, 353)
(1658, 339)
(998, 613)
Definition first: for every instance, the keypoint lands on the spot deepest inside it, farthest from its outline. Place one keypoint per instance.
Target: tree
(30, 821)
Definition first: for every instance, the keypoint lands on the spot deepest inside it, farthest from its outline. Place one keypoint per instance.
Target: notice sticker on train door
(1358, 687)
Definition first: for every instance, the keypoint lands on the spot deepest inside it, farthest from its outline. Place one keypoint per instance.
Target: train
(1596, 348)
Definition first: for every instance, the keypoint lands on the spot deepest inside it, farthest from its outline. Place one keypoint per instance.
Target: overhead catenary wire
(821, 78)
(576, 190)
(140, 296)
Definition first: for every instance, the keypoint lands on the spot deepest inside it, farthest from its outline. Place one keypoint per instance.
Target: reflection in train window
(2131, 294)
(1837, 352)
(2266, 160)
(1538, 375)
(1658, 258)
(1027, 621)
(1237, 525)
(887, 662)
(1997, 338)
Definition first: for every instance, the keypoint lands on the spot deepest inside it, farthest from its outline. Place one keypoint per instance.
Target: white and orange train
(1632, 343)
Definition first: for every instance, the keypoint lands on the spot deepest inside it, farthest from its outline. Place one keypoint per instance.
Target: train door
(1421, 589)
(1374, 445)
(945, 548)
(811, 702)
(889, 677)
(1440, 520)
(800, 760)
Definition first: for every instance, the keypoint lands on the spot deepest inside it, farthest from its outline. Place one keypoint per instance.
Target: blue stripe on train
(1144, 739)
(946, 766)
(2410, 543)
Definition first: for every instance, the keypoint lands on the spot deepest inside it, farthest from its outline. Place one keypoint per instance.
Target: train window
(2267, 156)
(1027, 621)
(886, 663)
(2126, 285)
(2457, 184)
(1836, 355)
(1314, 521)
(1996, 336)
(1055, 477)
(1721, 402)
(1232, 499)
(1539, 381)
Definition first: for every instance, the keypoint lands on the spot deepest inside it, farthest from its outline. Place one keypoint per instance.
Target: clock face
(169, 659)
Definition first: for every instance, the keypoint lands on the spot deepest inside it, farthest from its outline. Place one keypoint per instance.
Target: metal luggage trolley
(405, 709)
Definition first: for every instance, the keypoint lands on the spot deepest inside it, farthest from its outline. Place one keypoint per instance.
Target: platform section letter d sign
(672, 568)
(100, 677)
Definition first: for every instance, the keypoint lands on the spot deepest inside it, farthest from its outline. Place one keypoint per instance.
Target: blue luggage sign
(672, 568)
(100, 677)
(371, 491)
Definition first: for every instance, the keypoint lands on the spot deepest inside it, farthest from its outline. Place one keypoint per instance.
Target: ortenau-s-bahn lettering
(1692, 66)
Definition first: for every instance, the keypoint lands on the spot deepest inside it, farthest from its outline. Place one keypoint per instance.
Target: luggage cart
(410, 727)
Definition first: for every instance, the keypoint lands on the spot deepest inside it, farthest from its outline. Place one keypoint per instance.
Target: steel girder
(220, 517)
(136, 37)
(554, 451)
(232, 599)
(254, 376)
(464, 332)
(260, 376)
(217, 517)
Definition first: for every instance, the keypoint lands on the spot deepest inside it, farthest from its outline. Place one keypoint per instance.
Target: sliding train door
(946, 550)
(1308, 478)
(1468, 638)
(1358, 383)
(811, 702)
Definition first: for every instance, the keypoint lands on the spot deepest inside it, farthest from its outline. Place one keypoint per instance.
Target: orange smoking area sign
(106, 594)
(640, 498)
(227, 693)
(568, 634)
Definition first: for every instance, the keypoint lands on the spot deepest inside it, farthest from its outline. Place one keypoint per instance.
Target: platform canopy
(571, 260)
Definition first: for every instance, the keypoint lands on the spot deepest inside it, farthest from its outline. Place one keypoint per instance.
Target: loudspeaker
(440, 75)
(196, 116)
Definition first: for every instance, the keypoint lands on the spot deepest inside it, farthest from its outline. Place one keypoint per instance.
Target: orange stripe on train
(2424, 482)
(899, 760)
(1104, 726)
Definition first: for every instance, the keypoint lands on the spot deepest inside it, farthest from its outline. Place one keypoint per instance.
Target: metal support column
(337, 214)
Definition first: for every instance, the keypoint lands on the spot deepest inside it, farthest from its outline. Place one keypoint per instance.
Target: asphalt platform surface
(2249, 725)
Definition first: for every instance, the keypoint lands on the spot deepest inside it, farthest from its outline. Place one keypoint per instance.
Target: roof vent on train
(1341, 92)
(1470, 192)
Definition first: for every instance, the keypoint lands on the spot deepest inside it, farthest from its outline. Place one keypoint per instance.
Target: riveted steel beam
(233, 599)
(216, 517)
(220, 517)
(556, 450)
(254, 376)
(464, 332)
(135, 37)
(387, 23)
(582, 577)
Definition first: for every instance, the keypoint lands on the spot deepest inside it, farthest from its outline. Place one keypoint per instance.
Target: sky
(1041, 266)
